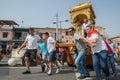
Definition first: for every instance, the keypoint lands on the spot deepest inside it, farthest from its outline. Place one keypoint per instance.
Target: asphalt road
(67, 73)
(15, 73)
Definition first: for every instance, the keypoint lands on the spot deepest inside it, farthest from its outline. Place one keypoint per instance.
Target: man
(31, 43)
(118, 45)
(84, 27)
(44, 52)
(81, 51)
(111, 56)
(51, 46)
(99, 52)
(9, 48)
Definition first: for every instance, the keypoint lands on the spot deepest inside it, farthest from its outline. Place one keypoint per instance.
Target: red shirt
(92, 32)
(109, 49)
(63, 52)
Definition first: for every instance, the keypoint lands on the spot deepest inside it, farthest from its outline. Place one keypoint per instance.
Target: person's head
(45, 35)
(85, 20)
(88, 28)
(71, 30)
(118, 44)
(10, 41)
(109, 41)
(92, 22)
(31, 31)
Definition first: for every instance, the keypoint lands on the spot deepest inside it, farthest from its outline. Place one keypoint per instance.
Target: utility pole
(61, 29)
(60, 36)
(22, 23)
(57, 35)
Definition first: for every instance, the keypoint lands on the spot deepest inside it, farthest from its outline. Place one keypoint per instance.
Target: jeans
(80, 63)
(100, 61)
(111, 62)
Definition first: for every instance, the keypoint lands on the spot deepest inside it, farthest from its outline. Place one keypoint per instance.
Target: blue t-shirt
(112, 46)
(43, 48)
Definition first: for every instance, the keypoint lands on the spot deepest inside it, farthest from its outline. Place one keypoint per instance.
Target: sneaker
(46, 68)
(49, 72)
(58, 70)
(114, 73)
(107, 78)
(81, 77)
(26, 72)
(116, 63)
(43, 68)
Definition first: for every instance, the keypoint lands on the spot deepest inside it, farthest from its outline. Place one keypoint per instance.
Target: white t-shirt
(100, 44)
(80, 45)
(32, 41)
(50, 44)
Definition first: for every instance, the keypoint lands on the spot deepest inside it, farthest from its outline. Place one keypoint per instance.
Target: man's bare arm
(55, 45)
(92, 43)
(22, 46)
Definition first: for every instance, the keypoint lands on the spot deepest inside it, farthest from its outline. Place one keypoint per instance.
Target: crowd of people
(47, 45)
(103, 52)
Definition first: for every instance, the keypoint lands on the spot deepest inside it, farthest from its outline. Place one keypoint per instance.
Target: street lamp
(60, 27)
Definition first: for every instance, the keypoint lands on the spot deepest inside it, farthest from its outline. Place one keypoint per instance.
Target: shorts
(31, 53)
(52, 56)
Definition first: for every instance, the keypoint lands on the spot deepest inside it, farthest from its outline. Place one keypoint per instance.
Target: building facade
(6, 30)
(101, 30)
(62, 33)
(10, 30)
(19, 34)
(116, 40)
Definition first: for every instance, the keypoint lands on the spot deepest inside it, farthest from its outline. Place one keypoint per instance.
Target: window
(5, 34)
(18, 35)
(67, 41)
(63, 37)
(66, 32)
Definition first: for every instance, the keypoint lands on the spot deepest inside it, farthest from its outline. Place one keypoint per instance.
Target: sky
(41, 13)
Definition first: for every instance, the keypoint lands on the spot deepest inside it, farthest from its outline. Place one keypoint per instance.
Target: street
(15, 73)
(67, 73)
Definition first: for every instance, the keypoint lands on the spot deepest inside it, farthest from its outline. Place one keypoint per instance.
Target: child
(42, 46)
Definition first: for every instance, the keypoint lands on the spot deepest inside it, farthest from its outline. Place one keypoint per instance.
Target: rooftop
(115, 37)
(7, 22)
